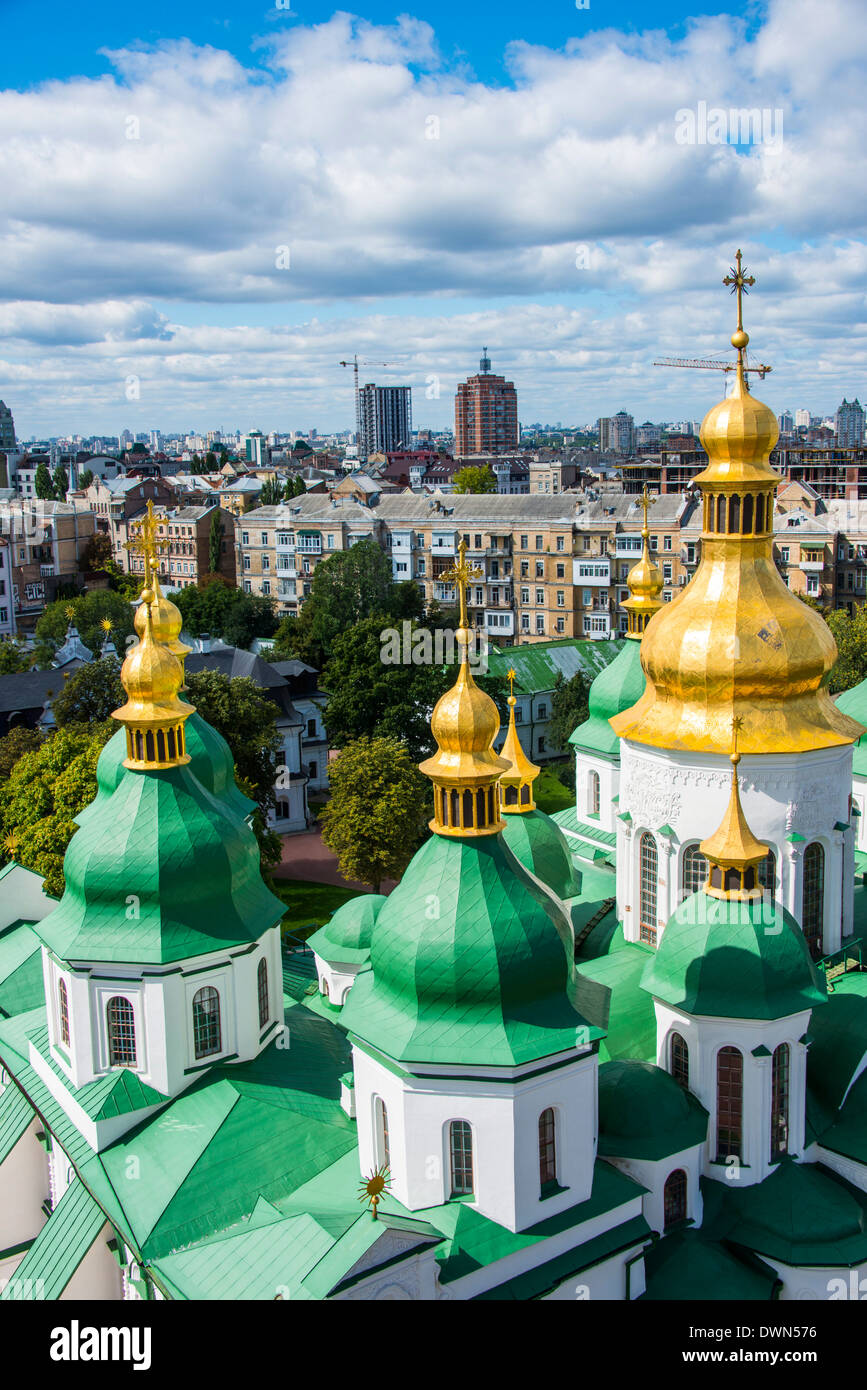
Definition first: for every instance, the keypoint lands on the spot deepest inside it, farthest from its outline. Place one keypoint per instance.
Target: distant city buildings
(385, 416)
(849, 423)
(786, 422)
(486, 413)
(617, 433)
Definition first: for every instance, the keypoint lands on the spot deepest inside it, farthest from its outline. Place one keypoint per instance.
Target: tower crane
(707, 363)
(355, 364)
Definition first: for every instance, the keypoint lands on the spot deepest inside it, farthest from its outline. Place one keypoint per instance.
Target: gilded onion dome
(153, 714)
(736, 641)
(644, 581)
(732, 851)
(465, 722)
(516, 783)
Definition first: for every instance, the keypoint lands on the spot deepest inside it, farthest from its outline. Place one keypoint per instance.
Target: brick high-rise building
(486, 413)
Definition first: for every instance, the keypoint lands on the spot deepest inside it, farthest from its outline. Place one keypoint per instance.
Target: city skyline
(224, 215)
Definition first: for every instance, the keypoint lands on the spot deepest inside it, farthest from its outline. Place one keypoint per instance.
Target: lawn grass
(309, 905)
(549, 793)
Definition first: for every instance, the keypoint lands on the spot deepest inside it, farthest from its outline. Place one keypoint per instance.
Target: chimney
(205, 642)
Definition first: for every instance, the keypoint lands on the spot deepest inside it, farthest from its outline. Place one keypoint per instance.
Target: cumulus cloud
(346, 161)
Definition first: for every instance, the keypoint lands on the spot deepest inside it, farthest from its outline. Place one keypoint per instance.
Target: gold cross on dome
(461, 574)
(739, 281)
(511, 677)
(737, 724)
(645, 501)
(146, 542)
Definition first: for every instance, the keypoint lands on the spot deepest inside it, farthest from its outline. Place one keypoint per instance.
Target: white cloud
(178, 178)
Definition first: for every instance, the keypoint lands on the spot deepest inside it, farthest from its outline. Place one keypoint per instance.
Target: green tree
(850, 634)
(299, 488)
(369, 696)
(46, 788)
(210, 461)
(346, 587)
(378, 812)
(88, 611)
(475, 479)
(215, 540)
(60, 482)
(14, 745)
(43, 484)
(569, 708)
(85, 478)
(206, 608)
(13, 658)
(91, 694)
(98, 556)
(250, 617)
(247, 720)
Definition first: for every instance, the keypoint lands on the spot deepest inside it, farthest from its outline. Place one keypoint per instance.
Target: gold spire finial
(516, 783)
(145, 541)
(645, 501)
(464, 723)
(733, 852)
(106, 625)
(69, 611)
(739, 282)
(644, 581)
(154, 716)
(374, 1188)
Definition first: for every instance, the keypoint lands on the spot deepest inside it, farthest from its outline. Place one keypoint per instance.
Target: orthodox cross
(737, 723)
(739, 281)
(511, 677)
(461, 574)
(146, 542)
(645, 502)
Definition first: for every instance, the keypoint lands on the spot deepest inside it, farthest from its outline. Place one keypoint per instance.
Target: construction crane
(355, 364)
(708, 364)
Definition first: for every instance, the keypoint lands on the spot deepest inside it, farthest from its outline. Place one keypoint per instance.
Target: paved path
(307, 858)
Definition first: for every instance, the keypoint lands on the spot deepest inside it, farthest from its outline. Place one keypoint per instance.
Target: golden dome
(736, 641)
(516, 783)
(167, 622)
(733, 851)
(153, 714)
(644, 582)
(464, 723)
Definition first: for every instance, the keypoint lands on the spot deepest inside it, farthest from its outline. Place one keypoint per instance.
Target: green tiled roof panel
(21, 979)
(159, 874)
(15, 1115)
(585, 830)
(731, 959)
(685, 1266)
(644, 1113)
(618, 687)
(119, 1092)
(538, 842)
(347, 936)
(61, 1245)
(803, 1214)
(631, 1027)
(470, 962)
(838, 1030)
(538, 664)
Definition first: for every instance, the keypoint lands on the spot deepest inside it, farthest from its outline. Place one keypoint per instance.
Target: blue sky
(207, 208)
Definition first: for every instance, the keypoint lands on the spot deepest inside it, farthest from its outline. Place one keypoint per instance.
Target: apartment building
(115, 501)
(548, 567)
(385, 418)
(46, 541)
(486, 413)
(616, 432)
(184, 543)
(7, 607)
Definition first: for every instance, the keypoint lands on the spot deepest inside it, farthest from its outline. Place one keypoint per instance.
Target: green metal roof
(838, 1031)
(644, 1113)
(119, 1092)
(15, 1115)
(631, 1024)
(854, 703)
(538, 842)
(192, 873)
(685, 1266)
(734, 959)
(347, 936)
(538, 664)
(60, 1247)
(569, 823)
(847, 1134)
(544, 1278)
(21, 980)
(802, 1214)
(618, 687)
(470, 962)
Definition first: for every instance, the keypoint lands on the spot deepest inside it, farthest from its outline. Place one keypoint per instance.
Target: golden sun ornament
(69, 611)
(374, 1188)
(106, 624)
(10, 844)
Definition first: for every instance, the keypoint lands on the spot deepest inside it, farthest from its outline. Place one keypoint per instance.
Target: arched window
(547, 1149)
(721, 513)
(812, 916)
(510, 797)
(325, 987)
(383, 1149)
(206, 1021)
(748, 515)
(262, 986)
(674, 1198)
(481, 818)
(461, 1157)
(63, 1010)
(121, 1032)
(767, 872)
(468, 809)
(679, 1060)
(647, 889)
(729, 1103)
(593, 794)
(780, 1102)
(693, 871)
(734, 513)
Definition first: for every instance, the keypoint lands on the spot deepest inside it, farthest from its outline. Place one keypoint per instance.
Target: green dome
(469, 963)
(211, 762)
(540, 845)
(347, 936)
(644, 1113)
(854, 703)
(728, 958)
(619, 686)
(158, 872)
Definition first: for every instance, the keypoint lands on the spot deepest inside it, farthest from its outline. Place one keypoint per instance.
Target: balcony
(812, 564)
(627, 547)
(310, 546)
(597, 625)
(590, 572)
(498, 550)
(689, 558)
(445, 593)
(501, 624)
